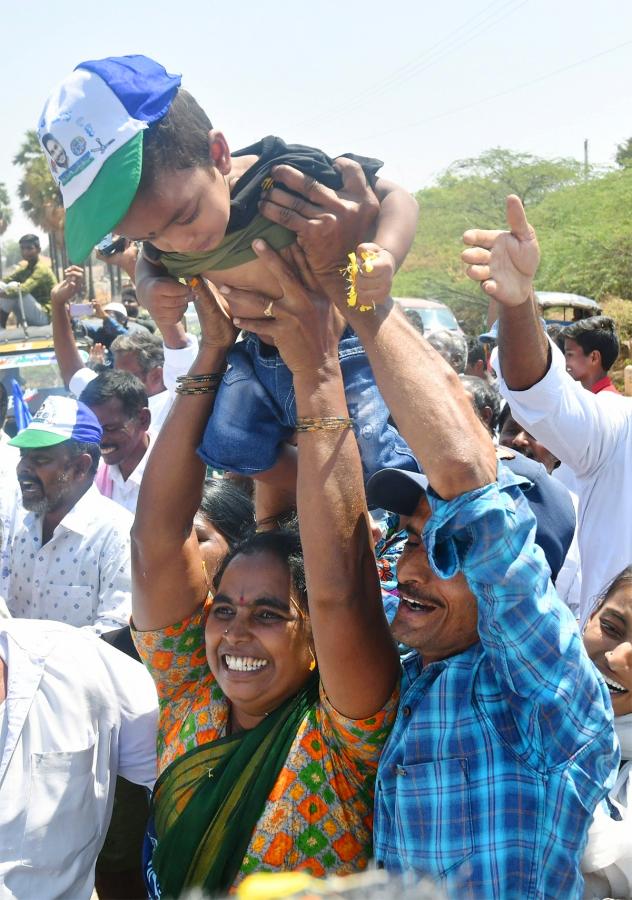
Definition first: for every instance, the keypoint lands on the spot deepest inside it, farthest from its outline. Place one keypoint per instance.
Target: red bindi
(242, 600)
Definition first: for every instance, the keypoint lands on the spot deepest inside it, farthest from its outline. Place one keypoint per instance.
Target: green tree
(623, 155)
(471, 193)
(5, 214)
(585, 232)
(40, 197)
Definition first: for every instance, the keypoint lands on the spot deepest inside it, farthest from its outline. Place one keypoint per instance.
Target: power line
(435, 54)
(511, 90)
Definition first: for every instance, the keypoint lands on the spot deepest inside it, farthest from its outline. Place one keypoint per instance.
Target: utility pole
(586, 158)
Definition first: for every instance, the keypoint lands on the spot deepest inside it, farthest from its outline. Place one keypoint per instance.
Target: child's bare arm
(396, 224)
(395, 230)
(164, 296)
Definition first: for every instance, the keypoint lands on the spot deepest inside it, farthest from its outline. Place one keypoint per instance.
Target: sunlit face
(513, 435)
(436, 616)
(257, 640)
(46, 476)
(186, 211)
(577, 362)
(213, 545)
(122, 434)
(608, 642)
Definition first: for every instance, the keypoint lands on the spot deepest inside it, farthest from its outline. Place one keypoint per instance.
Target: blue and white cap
(91, 130)
(57, 420)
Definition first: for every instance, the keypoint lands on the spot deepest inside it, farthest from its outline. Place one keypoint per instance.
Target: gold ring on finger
(268, 310)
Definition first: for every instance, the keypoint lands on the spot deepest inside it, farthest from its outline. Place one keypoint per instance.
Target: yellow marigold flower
(351, 274)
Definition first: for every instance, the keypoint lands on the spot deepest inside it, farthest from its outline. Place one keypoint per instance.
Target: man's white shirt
(82, 575)
(77, 713)
(177, 362)
(10, 501)
(123, 491)
(592, 435)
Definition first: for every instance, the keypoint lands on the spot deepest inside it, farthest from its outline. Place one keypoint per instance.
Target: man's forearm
(432, 411)
(68, 358)
(522, 345)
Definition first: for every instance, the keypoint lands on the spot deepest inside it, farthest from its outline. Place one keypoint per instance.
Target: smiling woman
(278, 690)
(607, 862)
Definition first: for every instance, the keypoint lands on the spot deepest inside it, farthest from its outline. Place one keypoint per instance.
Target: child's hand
(376, 269)
(164, 297)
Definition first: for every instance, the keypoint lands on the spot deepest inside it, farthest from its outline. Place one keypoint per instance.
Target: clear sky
(415, 83)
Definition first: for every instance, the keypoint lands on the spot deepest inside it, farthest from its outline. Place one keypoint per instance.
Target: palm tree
(5, 215)
(41, 200)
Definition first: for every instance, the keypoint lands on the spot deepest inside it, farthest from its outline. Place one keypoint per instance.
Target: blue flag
(20, 409)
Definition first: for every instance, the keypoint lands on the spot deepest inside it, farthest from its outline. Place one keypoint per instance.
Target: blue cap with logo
(57, 420)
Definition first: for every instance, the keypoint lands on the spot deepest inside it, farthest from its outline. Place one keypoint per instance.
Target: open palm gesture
(505, 262)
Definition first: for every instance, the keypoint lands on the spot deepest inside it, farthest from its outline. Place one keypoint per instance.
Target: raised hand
(504, 262)
(63, 292)
(124, 259)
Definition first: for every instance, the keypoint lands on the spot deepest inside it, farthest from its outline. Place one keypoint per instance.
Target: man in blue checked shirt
(503, 742)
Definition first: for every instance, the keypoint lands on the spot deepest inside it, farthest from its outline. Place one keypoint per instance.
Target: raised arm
(68, 358)
(580, 429)
(397, 220)
(505, 263)
(357, 660)
(169, 582)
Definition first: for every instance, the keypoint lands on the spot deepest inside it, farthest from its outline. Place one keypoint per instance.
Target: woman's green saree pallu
(207, 803)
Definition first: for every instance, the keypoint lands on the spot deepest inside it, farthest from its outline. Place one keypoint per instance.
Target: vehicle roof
(13, 340)
(419, 303)
(548, 299)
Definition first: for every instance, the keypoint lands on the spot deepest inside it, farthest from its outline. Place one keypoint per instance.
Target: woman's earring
(312, 664)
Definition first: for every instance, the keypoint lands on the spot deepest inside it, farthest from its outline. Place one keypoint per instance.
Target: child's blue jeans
(255, 411)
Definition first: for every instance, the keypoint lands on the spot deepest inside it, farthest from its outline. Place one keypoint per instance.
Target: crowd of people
(313, 593)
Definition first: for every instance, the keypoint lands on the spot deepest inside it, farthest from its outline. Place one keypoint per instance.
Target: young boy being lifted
(133, 153)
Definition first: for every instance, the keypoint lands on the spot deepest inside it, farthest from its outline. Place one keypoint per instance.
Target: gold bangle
(326, 423)
(193, 391)
(211, 378)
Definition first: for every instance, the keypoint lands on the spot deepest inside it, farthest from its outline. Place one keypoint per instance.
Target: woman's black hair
(177, 141)
(285, 545)
(228, 509)
(623, 578)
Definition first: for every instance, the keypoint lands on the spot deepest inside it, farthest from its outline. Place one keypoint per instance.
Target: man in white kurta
(74, 713)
